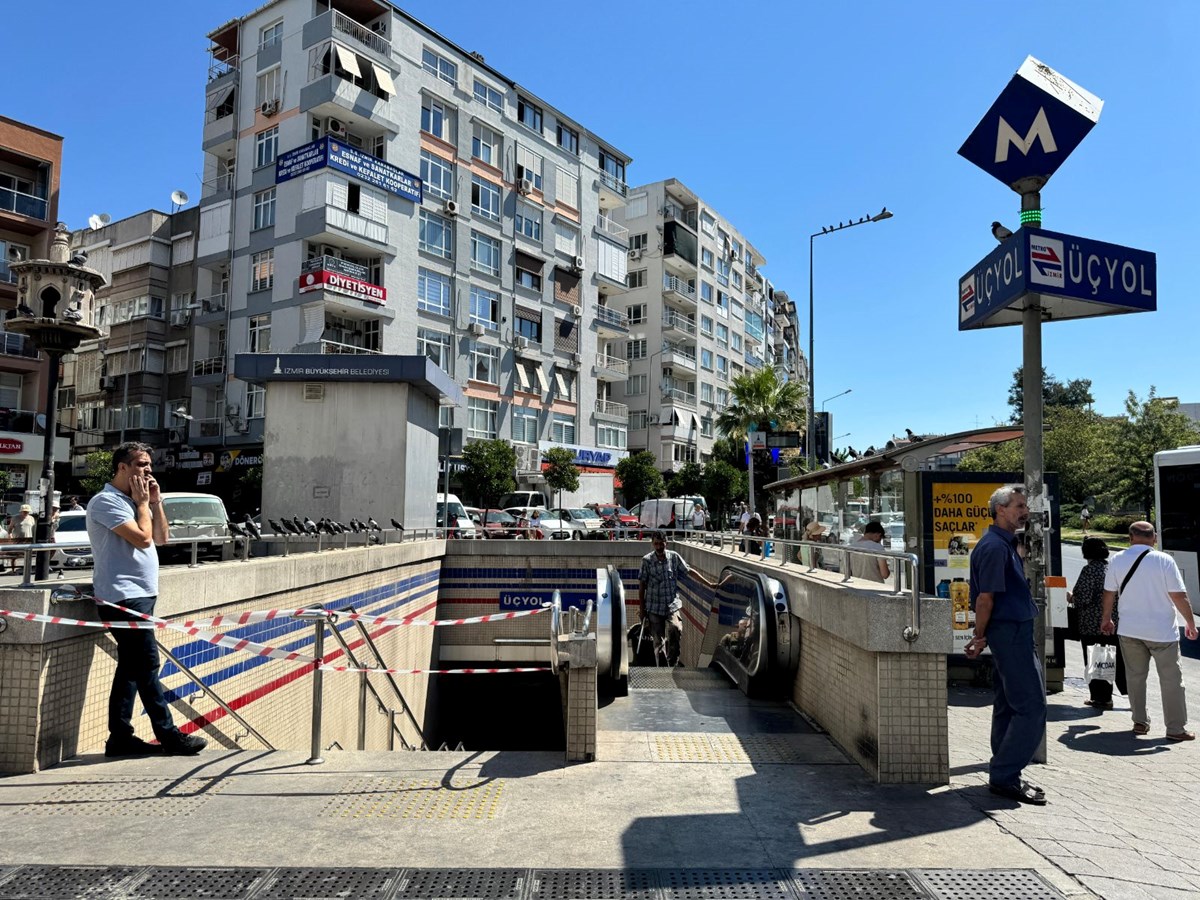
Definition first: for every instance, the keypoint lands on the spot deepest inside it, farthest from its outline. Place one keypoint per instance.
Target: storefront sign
(329, 153)
(342, 284)
(587, 456)
(335, 264)
(960, 518)
(11, 445)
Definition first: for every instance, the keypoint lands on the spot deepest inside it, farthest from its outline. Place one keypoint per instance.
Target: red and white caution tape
(81, 623)
(328, 668)
(472, 620)
(264, 615)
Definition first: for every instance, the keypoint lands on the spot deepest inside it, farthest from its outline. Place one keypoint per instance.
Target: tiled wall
(913, 723)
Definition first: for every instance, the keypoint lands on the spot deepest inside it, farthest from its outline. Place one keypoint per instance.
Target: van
(669, 512)
(465, 528)
(535, 499)
(196, 516)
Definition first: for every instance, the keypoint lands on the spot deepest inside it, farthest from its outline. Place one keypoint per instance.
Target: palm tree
(758, 397)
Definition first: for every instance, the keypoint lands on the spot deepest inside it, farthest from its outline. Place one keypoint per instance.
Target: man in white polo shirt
(1152, 594)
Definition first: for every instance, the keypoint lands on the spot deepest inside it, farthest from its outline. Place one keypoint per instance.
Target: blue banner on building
(330, 153)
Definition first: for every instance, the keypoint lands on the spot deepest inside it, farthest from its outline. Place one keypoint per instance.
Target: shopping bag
(1102, 663)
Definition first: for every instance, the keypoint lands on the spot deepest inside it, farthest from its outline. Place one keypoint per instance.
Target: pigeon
(25, 310)
(354, 525)
(298, 525)
(397, 525)
(322, 528)
(1000, 233)
(309, 525)
(372, 524)
(275, 526)
(235, 529)
(251, 528)
(79, 258)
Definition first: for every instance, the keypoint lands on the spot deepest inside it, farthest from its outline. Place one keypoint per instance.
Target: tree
(561, 472)
(97, 471)
(1074, 394)
(489, 472)
(723, 486)
(758, 399)
(640, 477)
(1150, 426)
(688, 481)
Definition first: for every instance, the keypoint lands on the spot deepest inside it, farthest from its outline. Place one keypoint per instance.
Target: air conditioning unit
(577, 358)
(520, 342)
(334, 127)
(579, 263)
(577, 309)
(330, 250)
(476, 329)
(108, 382)
(652, 419)
(269, 107)
(176, 436)
(525, 185)
(635, 253)
(451, 207)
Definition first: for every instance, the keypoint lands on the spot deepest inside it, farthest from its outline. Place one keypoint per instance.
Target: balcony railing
(614, 184)
(20, 421)
(612, 317)
(352, 349)
(213, 303)
(209, 427)
(752, 360)
(612, 364)
(361, 33)
(217, 185)
(678, 286)
(17, 345)
(679, 396)
(220, 67)
(611, 228)
(679, 323)
(612, 408)
(22, 204)
(214, 365)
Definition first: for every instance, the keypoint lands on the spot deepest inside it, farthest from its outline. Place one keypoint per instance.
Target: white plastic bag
(1102, 663)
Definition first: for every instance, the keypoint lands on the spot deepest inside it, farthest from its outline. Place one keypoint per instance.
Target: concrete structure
(700, 314)
(30, 163)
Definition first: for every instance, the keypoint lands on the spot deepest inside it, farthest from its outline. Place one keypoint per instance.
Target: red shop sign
(11, 445)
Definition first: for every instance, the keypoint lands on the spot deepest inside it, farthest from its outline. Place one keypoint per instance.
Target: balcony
(611, 322)
(677, 356)
(219, 68)
(612, 190)
(753, 361)
(609, 228)
(209, 428)
(332, 225)
(25, 205)
(678, 397)
(214, 365)
(211, 307)
(17, 345)
(610, 411)
(611, 368)
(220, 184)
(678, 325)
(680, 214)
(340, 27)
(21, 421)
(338, 349)
(677, 290)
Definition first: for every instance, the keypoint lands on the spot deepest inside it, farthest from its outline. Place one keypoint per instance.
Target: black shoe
(1022, 793)
(180, 744)
(130, 746)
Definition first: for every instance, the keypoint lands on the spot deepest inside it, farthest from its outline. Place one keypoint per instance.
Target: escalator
(752, 635)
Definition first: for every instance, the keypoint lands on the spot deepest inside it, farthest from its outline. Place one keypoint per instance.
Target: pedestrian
(699, 518)
(872, 568)
(1004, 616)
(20, 531)
(658, 588)
(754, 528)
(743, 518)
(1085, 516)
(1088, 601)
(1153, 597)
(125, 521)
(74, 501)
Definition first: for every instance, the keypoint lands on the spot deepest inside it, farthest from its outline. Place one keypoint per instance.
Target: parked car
(552, 526)
(588, 518)
(460, 524)
(195, 516)
(615, 516)
(72, 534)
(499, 524)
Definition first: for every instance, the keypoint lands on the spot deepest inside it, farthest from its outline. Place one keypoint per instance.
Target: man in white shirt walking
(1152, 595)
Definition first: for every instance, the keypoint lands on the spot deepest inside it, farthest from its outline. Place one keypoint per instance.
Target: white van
(464, 528)
(667, 512)
(195, 516)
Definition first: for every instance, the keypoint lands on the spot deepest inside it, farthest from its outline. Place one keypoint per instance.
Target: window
(525, 425)
(737, 309)
(256, 401)
(612, 167)
(66, 398)
(11, 252)
(485, 307)
(372, 334)
(611, 436)
(706, 325)
(566, 239)
(489, 96)
(637, 419)
(485, 145)
(260, 334)
(722, 398)
(722, 336)
(735, 342)
(266, 146)
(706, 359)
(485, 253)
(637, 313)
(528, 271)
(529, 328)
(177, 358)
(267, 86)
(636, 385)
(485, 363)
(637, 241)
(706, 392)
(722, 303)
(568, 139)
(438, 65)
(437, 120)
(636, 278)
(529, 165)
(706, 427)
(485, 198)
(723, 271)
(270, 35)
(737, 279)
(437, 237)
(529, 221)
(481, 419)
(708, 224)
(262, 270)
(436, 346)
(529, 115)
(437, 174)
(566, 188)
(562, 428)
(722, 365)
(433, 292)
(635, 349)
(264, 208)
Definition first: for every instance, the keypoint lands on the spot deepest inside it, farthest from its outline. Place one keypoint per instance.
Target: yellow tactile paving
(408, 798)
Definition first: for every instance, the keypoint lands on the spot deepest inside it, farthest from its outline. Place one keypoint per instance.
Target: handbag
(1102, 663)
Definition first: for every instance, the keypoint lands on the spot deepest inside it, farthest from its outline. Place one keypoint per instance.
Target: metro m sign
(1034, 125)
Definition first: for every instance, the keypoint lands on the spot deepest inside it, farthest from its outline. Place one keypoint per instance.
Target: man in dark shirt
(1004, 616)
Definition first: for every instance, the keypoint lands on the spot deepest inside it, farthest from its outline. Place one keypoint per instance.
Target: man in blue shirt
(658, 585)
(125, 521)
(1004, 617)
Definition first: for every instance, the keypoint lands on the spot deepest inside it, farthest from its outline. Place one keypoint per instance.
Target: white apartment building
(699, 314)
(370, 186)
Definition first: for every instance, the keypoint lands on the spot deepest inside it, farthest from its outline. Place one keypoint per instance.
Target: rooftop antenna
(96, 221)
(178, 199)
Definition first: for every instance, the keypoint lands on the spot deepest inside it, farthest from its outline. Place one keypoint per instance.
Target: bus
(1177, 511)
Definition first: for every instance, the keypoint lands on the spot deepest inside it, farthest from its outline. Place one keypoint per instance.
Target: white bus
(1177, 510)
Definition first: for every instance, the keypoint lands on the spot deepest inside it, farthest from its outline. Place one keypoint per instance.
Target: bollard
(318, 615)
(362, 710)
(195, 555)
(391, 729)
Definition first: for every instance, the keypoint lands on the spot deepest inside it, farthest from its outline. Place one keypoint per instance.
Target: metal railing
(612, 408)
(214, 365)
(614, 184)
(23, 204)
(20, 421)
(217, 184)
(210, 427)
(672, 319)
(348, 349)
(612, 316)
(214, 302)
(676, 395)
(612, 364)
(221, 67)
(361, 33)
(609, 227)
(17, 345)
(678, 286)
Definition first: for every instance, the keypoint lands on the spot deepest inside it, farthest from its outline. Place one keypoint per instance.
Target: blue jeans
(1019, 712)
(137, 674)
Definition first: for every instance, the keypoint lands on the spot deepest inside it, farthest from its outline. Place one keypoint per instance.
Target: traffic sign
(1032, 127)
(783, 440)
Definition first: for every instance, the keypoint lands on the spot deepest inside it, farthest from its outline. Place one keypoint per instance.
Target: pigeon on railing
(309, 525)
(251, 528)
(235, 529)
(275, 526)
(372, 524)
(297, 525)
(397, 525)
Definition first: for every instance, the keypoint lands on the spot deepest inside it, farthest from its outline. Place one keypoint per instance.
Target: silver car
(562, 525)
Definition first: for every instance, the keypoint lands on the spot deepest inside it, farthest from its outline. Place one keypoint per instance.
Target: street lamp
(834, 397)
(808, 437)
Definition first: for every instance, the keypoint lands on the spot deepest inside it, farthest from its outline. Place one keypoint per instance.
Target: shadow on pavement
(1091, 739)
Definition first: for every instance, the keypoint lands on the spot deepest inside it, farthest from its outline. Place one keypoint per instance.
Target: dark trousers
(1019, 711)
(137, 674)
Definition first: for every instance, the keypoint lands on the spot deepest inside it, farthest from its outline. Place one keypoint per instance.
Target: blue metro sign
(1034, 125)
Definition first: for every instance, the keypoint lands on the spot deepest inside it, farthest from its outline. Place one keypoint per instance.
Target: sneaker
(130, 746)
(180, 744)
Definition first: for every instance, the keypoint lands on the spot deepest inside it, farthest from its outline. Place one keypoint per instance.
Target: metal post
(42, 533)
(1031, 389)
(318, 684)
(391, 729)
(809, 444)
(362, 711)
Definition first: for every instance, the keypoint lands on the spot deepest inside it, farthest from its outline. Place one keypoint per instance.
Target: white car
(552, 526)
(588, 518)
(72, 534)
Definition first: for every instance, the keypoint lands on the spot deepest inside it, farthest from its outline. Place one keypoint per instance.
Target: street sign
(758, 439)
(1032, 127)
(1070, 277)
(782, 440)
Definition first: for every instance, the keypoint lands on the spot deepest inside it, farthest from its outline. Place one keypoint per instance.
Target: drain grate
(65, 882)
(463, 884)
(159, 797)
(987, 884)
(195, 883)
(329, 884)
(719, 884)
(592, 884)
(850, 885)
(411, 798)
(649, 678)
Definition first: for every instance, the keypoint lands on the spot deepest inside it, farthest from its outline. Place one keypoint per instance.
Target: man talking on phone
(124, 522)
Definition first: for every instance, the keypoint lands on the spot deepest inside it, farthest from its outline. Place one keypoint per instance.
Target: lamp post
(808, 436)
(834, 397)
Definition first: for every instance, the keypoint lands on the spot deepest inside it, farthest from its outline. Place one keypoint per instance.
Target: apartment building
(371, 187)
(699, 313)
(30, 163)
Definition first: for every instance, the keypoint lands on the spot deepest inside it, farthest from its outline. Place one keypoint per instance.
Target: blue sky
(786, 117)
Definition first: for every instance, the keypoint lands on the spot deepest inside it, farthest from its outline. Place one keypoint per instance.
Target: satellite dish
(98, 221)
(179, 198)
(40, 418)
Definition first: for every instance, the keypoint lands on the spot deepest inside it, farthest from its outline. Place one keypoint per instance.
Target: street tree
(688, 481)
(1073, 394)
(489, 471)
(723, 486)
(1150, 425)
(561, 472)
(97, 471)
(640, 477)
(756, 400)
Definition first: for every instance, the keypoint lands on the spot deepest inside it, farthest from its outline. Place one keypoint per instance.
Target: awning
(523, 376)
(527, 262)
(218, 97)
(541, 377)
(384, 77)
(560, 379)
(347, 60)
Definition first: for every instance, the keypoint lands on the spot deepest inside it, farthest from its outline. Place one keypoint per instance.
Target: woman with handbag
(1088, 601)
